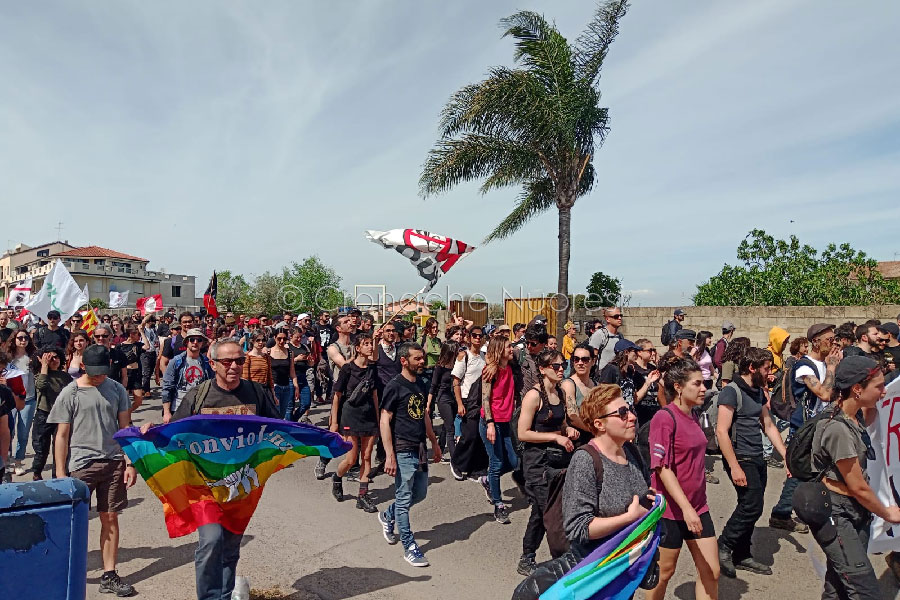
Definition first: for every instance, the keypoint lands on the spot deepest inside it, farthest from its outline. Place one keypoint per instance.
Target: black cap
(853, 370)
(812, 504)
(892, 329)
(678, 312)
(53, 314)
(96, 360)
(686, 334)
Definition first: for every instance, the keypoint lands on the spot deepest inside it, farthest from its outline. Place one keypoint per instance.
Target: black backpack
(800, 449)
(666, 335)
(783, 402)
(642, 440)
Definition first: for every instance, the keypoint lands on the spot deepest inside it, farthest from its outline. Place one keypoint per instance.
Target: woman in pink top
(677, 463)
(497, 401)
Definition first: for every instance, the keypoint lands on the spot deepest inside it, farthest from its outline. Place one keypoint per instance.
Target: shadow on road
(728, 588)
(347, 582)
(447, 533)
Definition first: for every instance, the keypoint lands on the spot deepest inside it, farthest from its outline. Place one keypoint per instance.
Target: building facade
(101, 269)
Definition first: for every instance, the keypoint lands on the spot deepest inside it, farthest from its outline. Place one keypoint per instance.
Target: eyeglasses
(101, 336)
(618, 316)
(581, 359)
(622, 413)
(476, 335)
(557, 366)
(194, 340)
(533, 344)
(21, 338)
(227, 362)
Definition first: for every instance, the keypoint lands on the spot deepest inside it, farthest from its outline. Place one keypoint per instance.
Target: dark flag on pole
(209, 296)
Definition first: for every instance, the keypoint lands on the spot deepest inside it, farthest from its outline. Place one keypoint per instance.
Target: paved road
(313, 548)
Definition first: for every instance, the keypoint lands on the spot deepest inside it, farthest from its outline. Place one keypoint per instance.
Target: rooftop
(890, 269)
(97, 252)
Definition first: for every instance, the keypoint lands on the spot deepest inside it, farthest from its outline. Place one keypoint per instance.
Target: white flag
(60, 292)
(118, 299)
(20, 294)
(430, 253)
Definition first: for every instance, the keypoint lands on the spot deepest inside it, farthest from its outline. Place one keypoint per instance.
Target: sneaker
(445, 458)
(486, 486)
(320, 469)
(790, 524)
(415, 557)
(20, 468)
(752, 565)
(526, 565)
(305, 420)
(710, 478)
(725, 564)
(337, 489)
(500, 514)
(366, 503)
(113, 584)
(353, 474)
(387, 528)
(456, 475)
(773, 463)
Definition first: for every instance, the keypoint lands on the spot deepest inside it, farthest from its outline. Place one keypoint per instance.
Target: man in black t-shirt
(405, 425)
(118, 362)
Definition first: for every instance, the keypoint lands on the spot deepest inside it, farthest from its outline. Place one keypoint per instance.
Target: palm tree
(536, 126)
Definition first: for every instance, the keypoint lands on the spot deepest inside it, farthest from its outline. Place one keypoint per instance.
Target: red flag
(150, 304)
(209, 296)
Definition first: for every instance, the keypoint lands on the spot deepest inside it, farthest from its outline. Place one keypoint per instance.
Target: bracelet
(488, 421)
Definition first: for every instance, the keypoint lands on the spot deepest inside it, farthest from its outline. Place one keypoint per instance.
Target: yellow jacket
(568, 347)
(778, 338)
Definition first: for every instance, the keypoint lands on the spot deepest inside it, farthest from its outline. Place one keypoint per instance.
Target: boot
(337, 488)
(366, 503)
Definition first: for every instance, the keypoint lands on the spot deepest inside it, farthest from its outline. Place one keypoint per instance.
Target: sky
(247, 135)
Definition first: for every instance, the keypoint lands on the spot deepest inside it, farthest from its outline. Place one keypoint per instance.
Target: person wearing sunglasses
(468, 455)
(258, 366)
(841, 451)
(548, 439)
(21, 350)
(604, 339)
(103, 335)
(52, 333)
(184, 372)
(284, 375)
(49, 381)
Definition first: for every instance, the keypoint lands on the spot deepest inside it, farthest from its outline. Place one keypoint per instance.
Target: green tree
(234, 292)
(537, 127)
(311, 286)
(436, 305)
(786, 273)
(96, 303)
(266, 296)
(603, 290)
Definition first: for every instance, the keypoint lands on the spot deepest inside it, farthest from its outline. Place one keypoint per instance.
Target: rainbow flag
(615, 569)
(212, 468)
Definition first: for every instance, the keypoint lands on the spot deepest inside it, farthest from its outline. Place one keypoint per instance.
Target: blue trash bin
(43, 539)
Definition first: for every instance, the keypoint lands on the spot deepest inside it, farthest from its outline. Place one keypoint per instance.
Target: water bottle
(241, 588)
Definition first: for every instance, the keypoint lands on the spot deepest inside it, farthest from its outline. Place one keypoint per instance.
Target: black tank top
(549, 417)
(281, 370)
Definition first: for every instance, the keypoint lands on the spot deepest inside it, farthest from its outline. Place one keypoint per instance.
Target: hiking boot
(112, 584)
(726, 566)
(337, 489)
(387, 528)
(893, 562)
(526, 565)
(752, 565)
(486, 486)
(415, 557)
(366, 503)
(320, 469)
(710, 478)
(790, 524)
(773, 463)
(456, 475)
(500, 514)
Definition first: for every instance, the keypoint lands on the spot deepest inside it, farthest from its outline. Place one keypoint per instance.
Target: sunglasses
(195, 340)
(101, 336)
(581, 359)
(622, 413)
(533, 344)
(618, 316)
(557, 366)
(21, 338)
(281, 339)
(227, 362)
(476, 335)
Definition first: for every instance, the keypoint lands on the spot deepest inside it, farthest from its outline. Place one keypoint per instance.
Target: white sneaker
(20, 468)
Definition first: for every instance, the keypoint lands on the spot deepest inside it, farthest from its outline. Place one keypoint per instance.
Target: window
(176, 291)
(100, 261)
(97, 285)
(41, 253)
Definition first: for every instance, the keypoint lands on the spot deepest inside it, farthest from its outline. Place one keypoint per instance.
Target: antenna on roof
(59, 225)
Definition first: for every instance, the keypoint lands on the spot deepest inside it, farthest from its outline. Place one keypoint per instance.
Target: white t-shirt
(468, 371)
(805, 371)
(191, 377)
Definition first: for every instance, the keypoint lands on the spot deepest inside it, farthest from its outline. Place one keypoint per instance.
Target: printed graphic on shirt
(243, 409)
(416, 407)
(660, 451)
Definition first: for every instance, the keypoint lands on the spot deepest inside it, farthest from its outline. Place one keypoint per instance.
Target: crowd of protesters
(505, 400)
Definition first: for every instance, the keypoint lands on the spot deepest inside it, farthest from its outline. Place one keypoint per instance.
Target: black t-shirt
(132, 353)
(326, 334)
(406, 400)
(747, 434)
(45, 337)
(162, 330)
(895, 353)
(117, 362)
(174, 347)
(218, 397)
(639, 376)
(349, 377)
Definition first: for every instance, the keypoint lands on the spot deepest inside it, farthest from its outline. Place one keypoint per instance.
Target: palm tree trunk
(562, 285)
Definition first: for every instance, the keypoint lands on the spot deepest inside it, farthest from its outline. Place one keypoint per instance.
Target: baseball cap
(253, 321)
(812, 504)
(817, 330)
(623, 345)
(892, 329)
(728, 326)
(95, 359)
(686, 334)
(679, 312)
(503, 327)
(853, 370)
(302, 316)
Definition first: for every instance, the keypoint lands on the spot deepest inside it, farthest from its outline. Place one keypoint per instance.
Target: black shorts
(675, 532)
(134, 380)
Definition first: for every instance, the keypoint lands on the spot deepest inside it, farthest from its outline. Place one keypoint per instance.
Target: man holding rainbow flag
(208, 466)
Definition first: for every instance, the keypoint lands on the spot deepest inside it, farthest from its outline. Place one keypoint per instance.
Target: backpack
(553, 512)
(666, 337)
(710, 418)
(783, 403)
(800, 449)
(642, 440)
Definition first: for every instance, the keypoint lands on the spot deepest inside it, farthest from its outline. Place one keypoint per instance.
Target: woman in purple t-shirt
(677, 450)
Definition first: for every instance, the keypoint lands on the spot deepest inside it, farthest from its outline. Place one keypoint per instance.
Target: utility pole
(59, 225)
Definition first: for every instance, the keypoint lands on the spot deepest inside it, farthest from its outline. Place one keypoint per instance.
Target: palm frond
(592, 46)
(536, 198)
(474, 156)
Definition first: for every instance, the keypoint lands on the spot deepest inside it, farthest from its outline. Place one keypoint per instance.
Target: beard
(758, 379)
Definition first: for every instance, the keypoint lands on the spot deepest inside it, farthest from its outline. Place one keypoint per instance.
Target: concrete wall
(751, 321)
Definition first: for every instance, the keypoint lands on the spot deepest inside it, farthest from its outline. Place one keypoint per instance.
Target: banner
(431, 254)
(884, 471)
(150, 304)
(615, 569)
(118, 299)
(20, 294)
(212, 468)
(59, 292)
